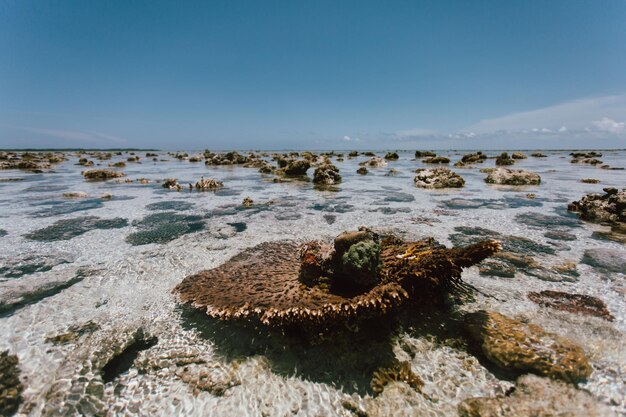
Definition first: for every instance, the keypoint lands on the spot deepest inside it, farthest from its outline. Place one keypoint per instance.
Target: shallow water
(113, 262)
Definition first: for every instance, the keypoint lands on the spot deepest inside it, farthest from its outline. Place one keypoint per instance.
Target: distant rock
(208, 184)
(374, 162)
(507, 176)
(523, 347)
(362, 171)
(438, 178)
(392, 156)
(518, 155)
(296, 168)
(538, 155)
(102, 174)
(75, 194)
(424, 154)
(436, 160)
(504, 159)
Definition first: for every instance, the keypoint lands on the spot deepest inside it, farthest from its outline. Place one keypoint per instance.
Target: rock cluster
(518, 155)
(30, 161)
(436, 160)
(424, 154)
(208, 184)
(438, 178)
(172, 184)
(374, 162)
(523, 347)
(295, 168)
(507, 176)
(607, 207)
(228, 158)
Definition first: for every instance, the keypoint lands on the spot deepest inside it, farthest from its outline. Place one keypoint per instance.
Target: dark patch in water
(330, 218)
(60, 207)
(506, 202)
(3, 232)
(15, 268)
(392, 210)
(288, 216)
(397, 197)
(123, 361)
(227, 192)
(542, 221)
(170, 205)
(8, 309)
(163, 227)
(46, 188)
(239, 226)
(333, 208)
(70, 228)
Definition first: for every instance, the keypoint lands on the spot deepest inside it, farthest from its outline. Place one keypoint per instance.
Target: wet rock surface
(522, 347)
(163, 227)
(326, 174)
(534, 396)
(606, 259)
(102, 174)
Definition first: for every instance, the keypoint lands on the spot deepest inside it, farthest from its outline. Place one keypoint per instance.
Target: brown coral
(281, 283)
(399, 373)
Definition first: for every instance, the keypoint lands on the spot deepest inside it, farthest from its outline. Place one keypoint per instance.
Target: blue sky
(313, 74)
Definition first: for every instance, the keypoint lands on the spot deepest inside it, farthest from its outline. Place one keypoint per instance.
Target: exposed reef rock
(172, 184)
(362, 171)
(608, 207)
(30, 161)
(361, 275)
(538, 155)
(10, 386)
(228, 158)
(438, 178)
(523, 347)
(326, 174)
(295, 168)
(518, 155)
(392, 156)
(534, 396)
(574, 303)
(208, 184)
(102, 174)
(504, 159)
(507, 176)
(374, 162)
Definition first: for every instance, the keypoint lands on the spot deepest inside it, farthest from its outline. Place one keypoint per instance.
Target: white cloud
(606, 124)
(347, 138)
(598, 113)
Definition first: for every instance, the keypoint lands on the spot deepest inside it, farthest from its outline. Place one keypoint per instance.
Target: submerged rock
(611, 260)
(574, 303)
(438, 178)
(10, 386)
(608, 207)
(534, 396)
(524, 347)
(283, 283)
(362, 171)
(69, 228)
(507, 176)
(326, 174)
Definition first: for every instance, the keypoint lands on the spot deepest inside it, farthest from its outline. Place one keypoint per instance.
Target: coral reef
(295, 168)
(362, 171)
(518, 155)
(172, 184)
(517, 346)
(438, 178)
(534, 396)
(361, 275)
(608, 207)
(507, 176)
(10, 386)
(392, 156)
(424, 154)
(574, 303)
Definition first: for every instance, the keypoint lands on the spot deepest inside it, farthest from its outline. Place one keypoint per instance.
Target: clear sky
(313, 74)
